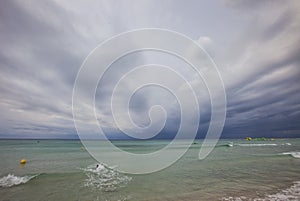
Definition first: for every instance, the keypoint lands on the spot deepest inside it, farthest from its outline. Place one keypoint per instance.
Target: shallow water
(61, 170)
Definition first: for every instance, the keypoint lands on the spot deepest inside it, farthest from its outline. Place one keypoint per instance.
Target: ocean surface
(63, 170)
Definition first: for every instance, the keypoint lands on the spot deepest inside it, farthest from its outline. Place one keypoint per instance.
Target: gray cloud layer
(256, 46)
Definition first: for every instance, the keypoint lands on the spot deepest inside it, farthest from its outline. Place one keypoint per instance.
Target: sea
(63, 170)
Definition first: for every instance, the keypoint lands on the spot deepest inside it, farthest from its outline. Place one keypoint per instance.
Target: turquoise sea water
(61, 170)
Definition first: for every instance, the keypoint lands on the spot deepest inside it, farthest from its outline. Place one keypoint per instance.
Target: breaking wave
(256, 145)
(12, 180)
(295, 154)
(231, 144)
(289, 194)
(105, 178)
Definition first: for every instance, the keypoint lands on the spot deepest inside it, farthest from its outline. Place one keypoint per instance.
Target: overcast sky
(255, 44)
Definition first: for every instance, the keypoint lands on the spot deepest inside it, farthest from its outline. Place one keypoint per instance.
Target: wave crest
(12, 180)
(256, 145)
(295, 154)
(289, 194)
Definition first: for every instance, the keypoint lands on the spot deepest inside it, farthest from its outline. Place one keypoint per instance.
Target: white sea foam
(12, 180)
(256, 145)
(229, 145)
(105, 178)
(289, 194)
(295, 154)
(292, 193)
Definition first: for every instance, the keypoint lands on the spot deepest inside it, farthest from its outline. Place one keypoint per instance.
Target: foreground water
(62, 170)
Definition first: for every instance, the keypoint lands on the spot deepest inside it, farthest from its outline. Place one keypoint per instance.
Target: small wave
(105, 178)
(229, 144)
(289, 194)
(295, 154)
(12, 180)
(292, 193)
(256, 145)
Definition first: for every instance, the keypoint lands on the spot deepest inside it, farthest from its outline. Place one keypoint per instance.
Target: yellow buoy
(23, 161)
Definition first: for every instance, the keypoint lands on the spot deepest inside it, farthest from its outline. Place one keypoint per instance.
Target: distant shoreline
(268, 139)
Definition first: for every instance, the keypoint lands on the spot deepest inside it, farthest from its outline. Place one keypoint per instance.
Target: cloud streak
(255, 45)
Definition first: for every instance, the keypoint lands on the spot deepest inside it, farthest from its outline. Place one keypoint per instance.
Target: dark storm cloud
(264, 92)
(43, 43)
(39, 62)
